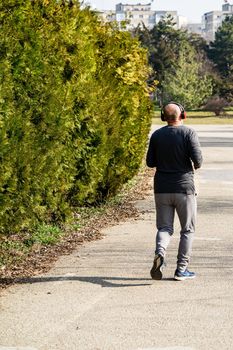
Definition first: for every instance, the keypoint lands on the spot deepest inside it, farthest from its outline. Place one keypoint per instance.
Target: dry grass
(200, 117)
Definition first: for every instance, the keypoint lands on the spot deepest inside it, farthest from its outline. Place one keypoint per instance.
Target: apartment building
(139, 14)
(213, 19)
(159, 15)
(227, 7)
(107, 15)
(135, 15)
(195, 28)
(227, 10)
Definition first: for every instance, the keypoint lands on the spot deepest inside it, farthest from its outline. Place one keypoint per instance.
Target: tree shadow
(214, 205)
(216, 141)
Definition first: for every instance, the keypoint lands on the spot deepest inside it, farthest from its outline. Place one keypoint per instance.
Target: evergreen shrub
(74, 110)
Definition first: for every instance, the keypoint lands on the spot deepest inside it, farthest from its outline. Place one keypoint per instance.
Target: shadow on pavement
(102, 281)
(213, 205)
(216, 141)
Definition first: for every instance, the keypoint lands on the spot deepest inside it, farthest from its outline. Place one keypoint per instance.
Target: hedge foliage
(74, 114)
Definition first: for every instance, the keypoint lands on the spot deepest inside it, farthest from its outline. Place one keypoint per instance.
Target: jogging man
(174, 151)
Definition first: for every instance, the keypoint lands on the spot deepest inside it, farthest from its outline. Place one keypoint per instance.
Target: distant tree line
(187, 68)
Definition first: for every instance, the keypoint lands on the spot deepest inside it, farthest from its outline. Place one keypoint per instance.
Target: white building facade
(143, 14)
(130, 16)
(211, 21)
(135, 15)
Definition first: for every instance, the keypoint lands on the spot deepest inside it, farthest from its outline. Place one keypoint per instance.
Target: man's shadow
(105, 282)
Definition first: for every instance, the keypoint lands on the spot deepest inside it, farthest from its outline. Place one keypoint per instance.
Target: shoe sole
(155, 272)
(176, 278)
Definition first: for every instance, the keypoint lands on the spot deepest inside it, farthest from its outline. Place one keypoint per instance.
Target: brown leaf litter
(41, 258)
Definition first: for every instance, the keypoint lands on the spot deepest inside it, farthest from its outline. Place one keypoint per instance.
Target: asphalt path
(101, 297)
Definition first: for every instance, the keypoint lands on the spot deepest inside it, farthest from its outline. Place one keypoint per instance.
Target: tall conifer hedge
(74, 110)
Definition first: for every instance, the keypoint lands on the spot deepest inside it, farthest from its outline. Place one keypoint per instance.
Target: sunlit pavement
(102, 297)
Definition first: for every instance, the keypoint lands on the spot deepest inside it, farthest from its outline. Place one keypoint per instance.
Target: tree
(183, 83)
(163, 42)
(216, 104)
(179, 63)
(74, 110)
(221, 53)
(221, 50)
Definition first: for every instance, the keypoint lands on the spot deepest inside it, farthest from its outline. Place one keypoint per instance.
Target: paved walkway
(102, 298)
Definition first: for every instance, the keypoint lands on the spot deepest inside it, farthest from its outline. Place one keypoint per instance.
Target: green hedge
(74, 114)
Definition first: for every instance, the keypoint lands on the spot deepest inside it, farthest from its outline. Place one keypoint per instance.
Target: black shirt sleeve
(195, 149)
(150, 157)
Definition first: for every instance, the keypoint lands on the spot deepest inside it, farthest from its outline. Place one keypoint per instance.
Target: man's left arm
(150, 157)
(195, 150)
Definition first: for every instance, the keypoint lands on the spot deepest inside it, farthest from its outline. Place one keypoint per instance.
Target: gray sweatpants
(185, 206)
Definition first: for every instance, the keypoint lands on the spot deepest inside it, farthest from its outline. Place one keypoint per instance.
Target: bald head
(172, 112)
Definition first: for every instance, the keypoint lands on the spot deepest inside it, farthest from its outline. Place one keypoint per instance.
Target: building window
(140, 16)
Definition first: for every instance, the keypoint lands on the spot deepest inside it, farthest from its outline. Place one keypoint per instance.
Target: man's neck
(175, 123)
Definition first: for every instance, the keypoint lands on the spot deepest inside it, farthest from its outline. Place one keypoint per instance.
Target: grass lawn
(200, 117)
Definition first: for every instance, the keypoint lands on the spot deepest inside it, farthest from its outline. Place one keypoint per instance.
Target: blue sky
(192, 9)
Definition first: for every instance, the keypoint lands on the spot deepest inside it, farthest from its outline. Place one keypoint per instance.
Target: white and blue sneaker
(184, 275)
(156, 271)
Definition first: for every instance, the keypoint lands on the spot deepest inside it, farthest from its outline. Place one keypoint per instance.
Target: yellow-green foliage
(74, 110)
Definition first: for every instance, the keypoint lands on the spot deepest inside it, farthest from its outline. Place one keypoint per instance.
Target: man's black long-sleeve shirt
(174, 151)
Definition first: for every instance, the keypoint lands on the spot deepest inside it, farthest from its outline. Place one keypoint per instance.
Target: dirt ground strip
(42, 258)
